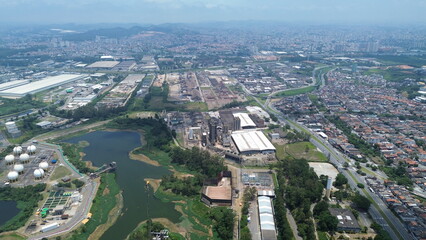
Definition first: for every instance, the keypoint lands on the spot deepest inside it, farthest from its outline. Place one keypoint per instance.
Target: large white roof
(103, 64)
(12, 84)
(266, 217)
(252, 141)
(245, 120)
(41, 85)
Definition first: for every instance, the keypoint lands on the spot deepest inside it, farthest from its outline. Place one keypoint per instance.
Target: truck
(49, 227)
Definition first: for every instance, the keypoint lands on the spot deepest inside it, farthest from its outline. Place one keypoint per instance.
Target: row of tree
(248, 196)
(360, 144)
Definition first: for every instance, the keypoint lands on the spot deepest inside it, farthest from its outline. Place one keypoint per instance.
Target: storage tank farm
(19, 168)
(10, 159)
(24, 166)
(12, 176)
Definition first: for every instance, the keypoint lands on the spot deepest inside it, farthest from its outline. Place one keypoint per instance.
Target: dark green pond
(8, 210)
(139, 204)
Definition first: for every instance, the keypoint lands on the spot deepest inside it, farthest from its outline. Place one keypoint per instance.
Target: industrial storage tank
(43, 165)
(9, 159)
(31, 149)
(38, 173)
(17, 150)
(19, 168)
(12, 176)
(24, 157)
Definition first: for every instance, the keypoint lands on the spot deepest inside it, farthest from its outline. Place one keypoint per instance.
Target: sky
(193, 11)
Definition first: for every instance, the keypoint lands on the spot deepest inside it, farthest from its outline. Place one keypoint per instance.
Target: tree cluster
(326, 221)
(223, 222)
(302, 188)
(157, 134)
(189, 186)
(361, 202)
(198, 160)
(28, 197)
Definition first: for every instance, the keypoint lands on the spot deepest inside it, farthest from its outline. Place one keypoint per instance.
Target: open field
(60, 172)
(294, 92)
(11, 236)
(300, 150)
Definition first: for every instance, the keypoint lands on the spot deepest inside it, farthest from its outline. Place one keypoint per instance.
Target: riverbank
(141, 157)
(105, 209)
(112, 216)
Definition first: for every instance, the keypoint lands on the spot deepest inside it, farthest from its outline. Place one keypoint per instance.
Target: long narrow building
(41, 85)
(266, 218)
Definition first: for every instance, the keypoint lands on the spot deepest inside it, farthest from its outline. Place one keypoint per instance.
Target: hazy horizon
(378, 12)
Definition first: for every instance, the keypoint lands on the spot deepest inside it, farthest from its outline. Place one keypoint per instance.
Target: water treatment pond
(105, 147)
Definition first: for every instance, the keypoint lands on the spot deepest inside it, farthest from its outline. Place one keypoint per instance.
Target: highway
(378, 210)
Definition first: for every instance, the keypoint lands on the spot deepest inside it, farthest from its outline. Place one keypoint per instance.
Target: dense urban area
(222, 131)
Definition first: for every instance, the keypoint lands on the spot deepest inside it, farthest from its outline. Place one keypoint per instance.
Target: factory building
(252, 142)
(12, 129)
(237, 124)
(266, 218)
(220, 194)
(213, 123)
(41, 85)
(12, 84)
(246, 121)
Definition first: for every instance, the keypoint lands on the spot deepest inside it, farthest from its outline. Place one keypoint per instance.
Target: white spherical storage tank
(17, 150)
(43, 165)
(31, 149)
(38, 173)
(12, 176)
(24, 157)
(9, 159)
(18, 168)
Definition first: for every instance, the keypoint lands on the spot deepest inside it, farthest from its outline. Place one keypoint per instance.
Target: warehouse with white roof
(12, 84)
(252, 142)
(266, 219)
(41, 85)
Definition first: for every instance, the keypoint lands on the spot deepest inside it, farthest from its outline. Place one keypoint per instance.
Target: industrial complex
(19, 91)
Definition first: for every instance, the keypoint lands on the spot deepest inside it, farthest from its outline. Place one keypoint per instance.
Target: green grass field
(295, 92)
(60, 172)
(300, 150)
(11, 236)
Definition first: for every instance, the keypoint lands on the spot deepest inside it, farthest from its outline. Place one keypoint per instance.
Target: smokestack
(328, 188)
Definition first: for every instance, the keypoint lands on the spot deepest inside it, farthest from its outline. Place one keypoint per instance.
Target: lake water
(139, 204)
(8, 210)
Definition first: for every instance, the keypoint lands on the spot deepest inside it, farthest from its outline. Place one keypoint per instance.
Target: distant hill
(120, 32)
